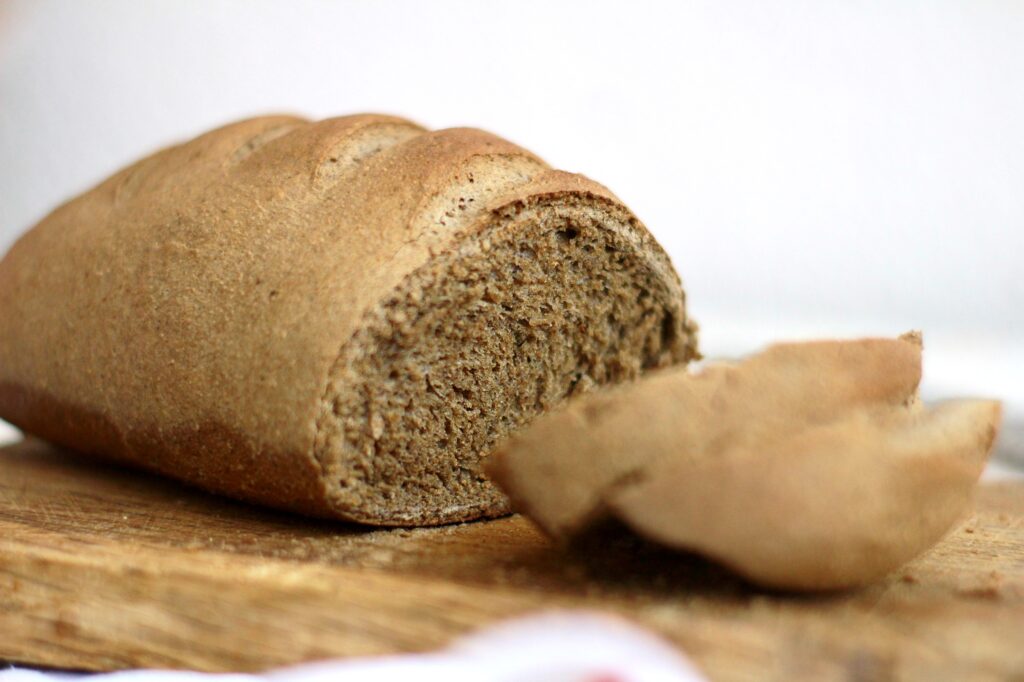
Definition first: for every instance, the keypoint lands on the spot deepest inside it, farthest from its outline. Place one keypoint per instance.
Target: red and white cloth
(553, 647)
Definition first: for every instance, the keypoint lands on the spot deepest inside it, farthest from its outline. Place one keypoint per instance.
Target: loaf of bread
(807, 466)
(340, 318)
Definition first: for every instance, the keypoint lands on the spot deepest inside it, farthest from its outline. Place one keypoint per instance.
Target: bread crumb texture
(338, 317)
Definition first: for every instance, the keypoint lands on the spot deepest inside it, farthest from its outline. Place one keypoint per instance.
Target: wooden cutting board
(102, 568)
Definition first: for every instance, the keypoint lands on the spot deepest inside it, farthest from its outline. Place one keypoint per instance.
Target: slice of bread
(339, 318)
(561, 468)
(808, 466)
(830, 506)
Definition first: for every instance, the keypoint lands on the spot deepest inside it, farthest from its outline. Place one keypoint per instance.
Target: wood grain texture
(102, 568)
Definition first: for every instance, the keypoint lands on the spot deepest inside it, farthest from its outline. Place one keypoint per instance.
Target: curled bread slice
(808, 466)
(559, 469)
(336, 317)
(832, 506)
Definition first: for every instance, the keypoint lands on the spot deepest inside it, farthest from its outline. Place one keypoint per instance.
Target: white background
(812, 167)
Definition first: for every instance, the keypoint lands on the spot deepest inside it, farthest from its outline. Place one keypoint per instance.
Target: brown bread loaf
(339, 318)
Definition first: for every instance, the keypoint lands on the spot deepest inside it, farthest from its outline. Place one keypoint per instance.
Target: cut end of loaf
(545, 302)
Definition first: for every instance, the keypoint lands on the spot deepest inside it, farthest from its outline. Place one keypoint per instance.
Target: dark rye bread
(339, 318)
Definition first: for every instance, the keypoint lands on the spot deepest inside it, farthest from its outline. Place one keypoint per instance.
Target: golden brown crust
(217, 281)
(209, 455)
